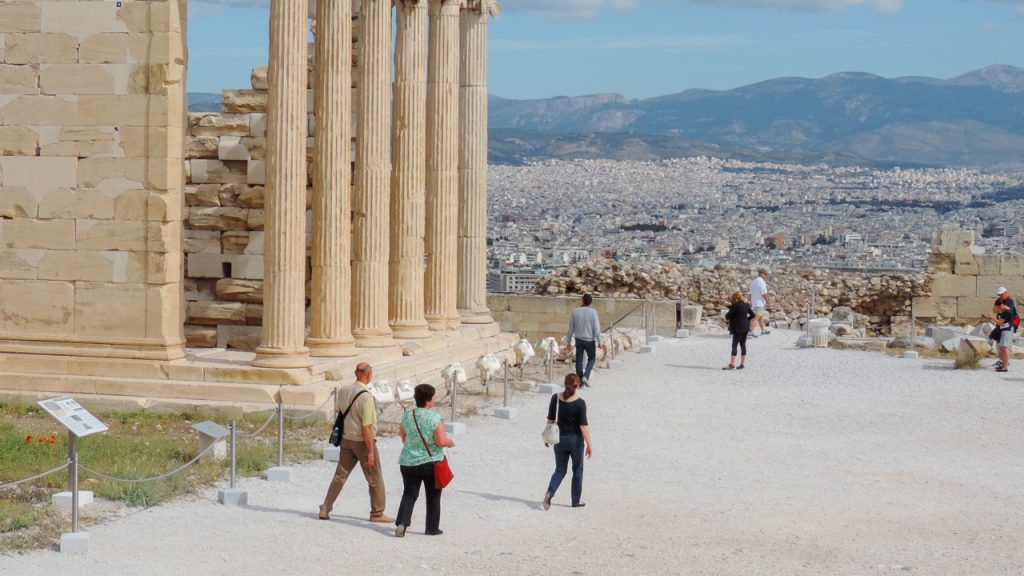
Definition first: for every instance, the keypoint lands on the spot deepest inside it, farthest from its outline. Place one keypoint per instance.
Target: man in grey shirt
(586, 327)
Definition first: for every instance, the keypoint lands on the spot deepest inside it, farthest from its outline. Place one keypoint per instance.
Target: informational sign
(76, 419)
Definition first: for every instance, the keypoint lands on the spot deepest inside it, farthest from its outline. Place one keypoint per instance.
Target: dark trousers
(741, 341)
(590, 347)
(568, 447)
(412, 477)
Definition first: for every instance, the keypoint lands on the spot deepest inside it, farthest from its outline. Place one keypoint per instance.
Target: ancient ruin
(335, 224)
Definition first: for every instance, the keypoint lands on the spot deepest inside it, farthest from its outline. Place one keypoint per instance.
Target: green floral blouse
(413, 452)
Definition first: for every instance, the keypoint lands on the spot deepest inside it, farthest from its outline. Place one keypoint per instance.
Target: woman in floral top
(417, 460)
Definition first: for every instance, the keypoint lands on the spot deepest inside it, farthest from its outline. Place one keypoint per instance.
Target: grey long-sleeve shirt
(584, 324)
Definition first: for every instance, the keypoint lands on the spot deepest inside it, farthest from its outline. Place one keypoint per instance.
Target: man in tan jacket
(358, 445)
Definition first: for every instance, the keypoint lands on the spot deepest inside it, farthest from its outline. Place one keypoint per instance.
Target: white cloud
(567, 9)
(808, 5)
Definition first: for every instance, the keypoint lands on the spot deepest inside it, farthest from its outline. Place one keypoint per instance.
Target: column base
(374, 340)
(476, 317)
(323, 348)
(277, 358)
(410, 331)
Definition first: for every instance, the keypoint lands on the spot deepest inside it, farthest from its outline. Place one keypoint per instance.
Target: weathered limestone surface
(91, 177)
(282, 342)
(442, 166)
(472, 247)
(372, 177)
(408, 177)
(330, 332)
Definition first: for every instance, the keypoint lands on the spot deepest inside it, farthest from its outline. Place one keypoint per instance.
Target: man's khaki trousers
(352, 452)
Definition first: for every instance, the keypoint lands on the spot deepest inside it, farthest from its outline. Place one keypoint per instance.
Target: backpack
(339, 421)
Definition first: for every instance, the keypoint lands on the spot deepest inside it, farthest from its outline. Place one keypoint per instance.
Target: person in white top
(759, 302)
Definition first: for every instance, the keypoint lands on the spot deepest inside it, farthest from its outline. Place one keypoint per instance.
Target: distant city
(702, 212)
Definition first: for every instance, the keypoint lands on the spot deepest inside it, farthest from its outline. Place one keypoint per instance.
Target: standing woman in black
(570, 412)
(739, 317)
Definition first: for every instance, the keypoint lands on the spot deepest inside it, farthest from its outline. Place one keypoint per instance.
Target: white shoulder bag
(551, 435)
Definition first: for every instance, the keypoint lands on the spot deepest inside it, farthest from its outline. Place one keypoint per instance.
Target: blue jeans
(569, 446)
(590, 347)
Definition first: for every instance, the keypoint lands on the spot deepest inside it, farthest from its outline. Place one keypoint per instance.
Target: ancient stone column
(442, 165)
(472, 276)
(284, 298)
(373, 177)
(408, 172)
(330, 331)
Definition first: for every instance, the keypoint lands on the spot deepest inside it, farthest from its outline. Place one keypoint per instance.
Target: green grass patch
(139, 445)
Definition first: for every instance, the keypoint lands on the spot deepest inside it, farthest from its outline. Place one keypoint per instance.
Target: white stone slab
(455, 428)
(646, 349)
(63, 499)
(682, 333)
(505, 413)
(74, 543)
(549, 388)
(279, 474)
(332, 453)
(233, 497)
(910, 355)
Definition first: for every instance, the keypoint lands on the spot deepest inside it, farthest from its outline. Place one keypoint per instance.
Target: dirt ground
(806, 462)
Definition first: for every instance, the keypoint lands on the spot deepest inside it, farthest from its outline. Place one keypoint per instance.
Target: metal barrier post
(455, 389)
(505, 401)
(73, 478)
(654, 317)
(280, 433)
(647, 333)
(233, 496)
(234, 442)
(550, 361)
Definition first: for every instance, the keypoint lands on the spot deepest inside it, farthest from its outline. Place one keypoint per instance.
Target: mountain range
(976, 119)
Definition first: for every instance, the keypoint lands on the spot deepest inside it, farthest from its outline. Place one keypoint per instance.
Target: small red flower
(28, 439)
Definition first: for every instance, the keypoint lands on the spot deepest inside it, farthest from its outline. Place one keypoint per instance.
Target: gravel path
(807, 462)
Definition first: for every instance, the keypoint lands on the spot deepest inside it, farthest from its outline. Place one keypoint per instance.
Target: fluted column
(442, 165)
(372, 177)
(330, 331)
(472, 275)
(408, 172)
(284, 298)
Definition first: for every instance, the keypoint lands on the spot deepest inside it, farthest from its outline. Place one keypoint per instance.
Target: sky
(646, 48)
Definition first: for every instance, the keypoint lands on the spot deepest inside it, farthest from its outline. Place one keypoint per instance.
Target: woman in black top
(573, 433)
(739, 316)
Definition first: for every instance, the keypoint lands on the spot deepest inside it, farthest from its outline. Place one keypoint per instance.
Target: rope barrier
(261, 428)
(313, 413)
(151, 479)
(36, 477)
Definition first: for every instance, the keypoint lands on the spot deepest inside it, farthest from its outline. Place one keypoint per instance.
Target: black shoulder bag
(339, 422)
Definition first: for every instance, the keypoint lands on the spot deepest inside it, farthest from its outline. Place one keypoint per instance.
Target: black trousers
(412, 477)
(741, 341)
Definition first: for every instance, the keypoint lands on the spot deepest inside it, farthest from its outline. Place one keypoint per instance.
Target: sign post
(80, 423)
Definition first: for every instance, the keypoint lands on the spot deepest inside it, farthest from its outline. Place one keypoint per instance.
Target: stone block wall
(537, 317)
(965, 281)
(92, 102)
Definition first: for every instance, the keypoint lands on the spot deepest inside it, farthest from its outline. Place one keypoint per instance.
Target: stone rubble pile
(859, 303)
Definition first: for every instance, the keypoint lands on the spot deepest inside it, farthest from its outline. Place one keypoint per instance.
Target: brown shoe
(325, 512)
(382, 519)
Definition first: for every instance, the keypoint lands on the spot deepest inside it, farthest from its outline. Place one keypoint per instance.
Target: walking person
(739, 317)
(358, 445)
(1003, 334)
(759, 302)
(1003, 298)
(423, 440)
(586, 327)
(570, 410)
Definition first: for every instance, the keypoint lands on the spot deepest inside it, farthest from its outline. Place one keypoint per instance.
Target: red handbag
(442, 471)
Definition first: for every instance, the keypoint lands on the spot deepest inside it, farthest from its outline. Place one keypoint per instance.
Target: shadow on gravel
(535, 504)
(347, 520)
(692, 367)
